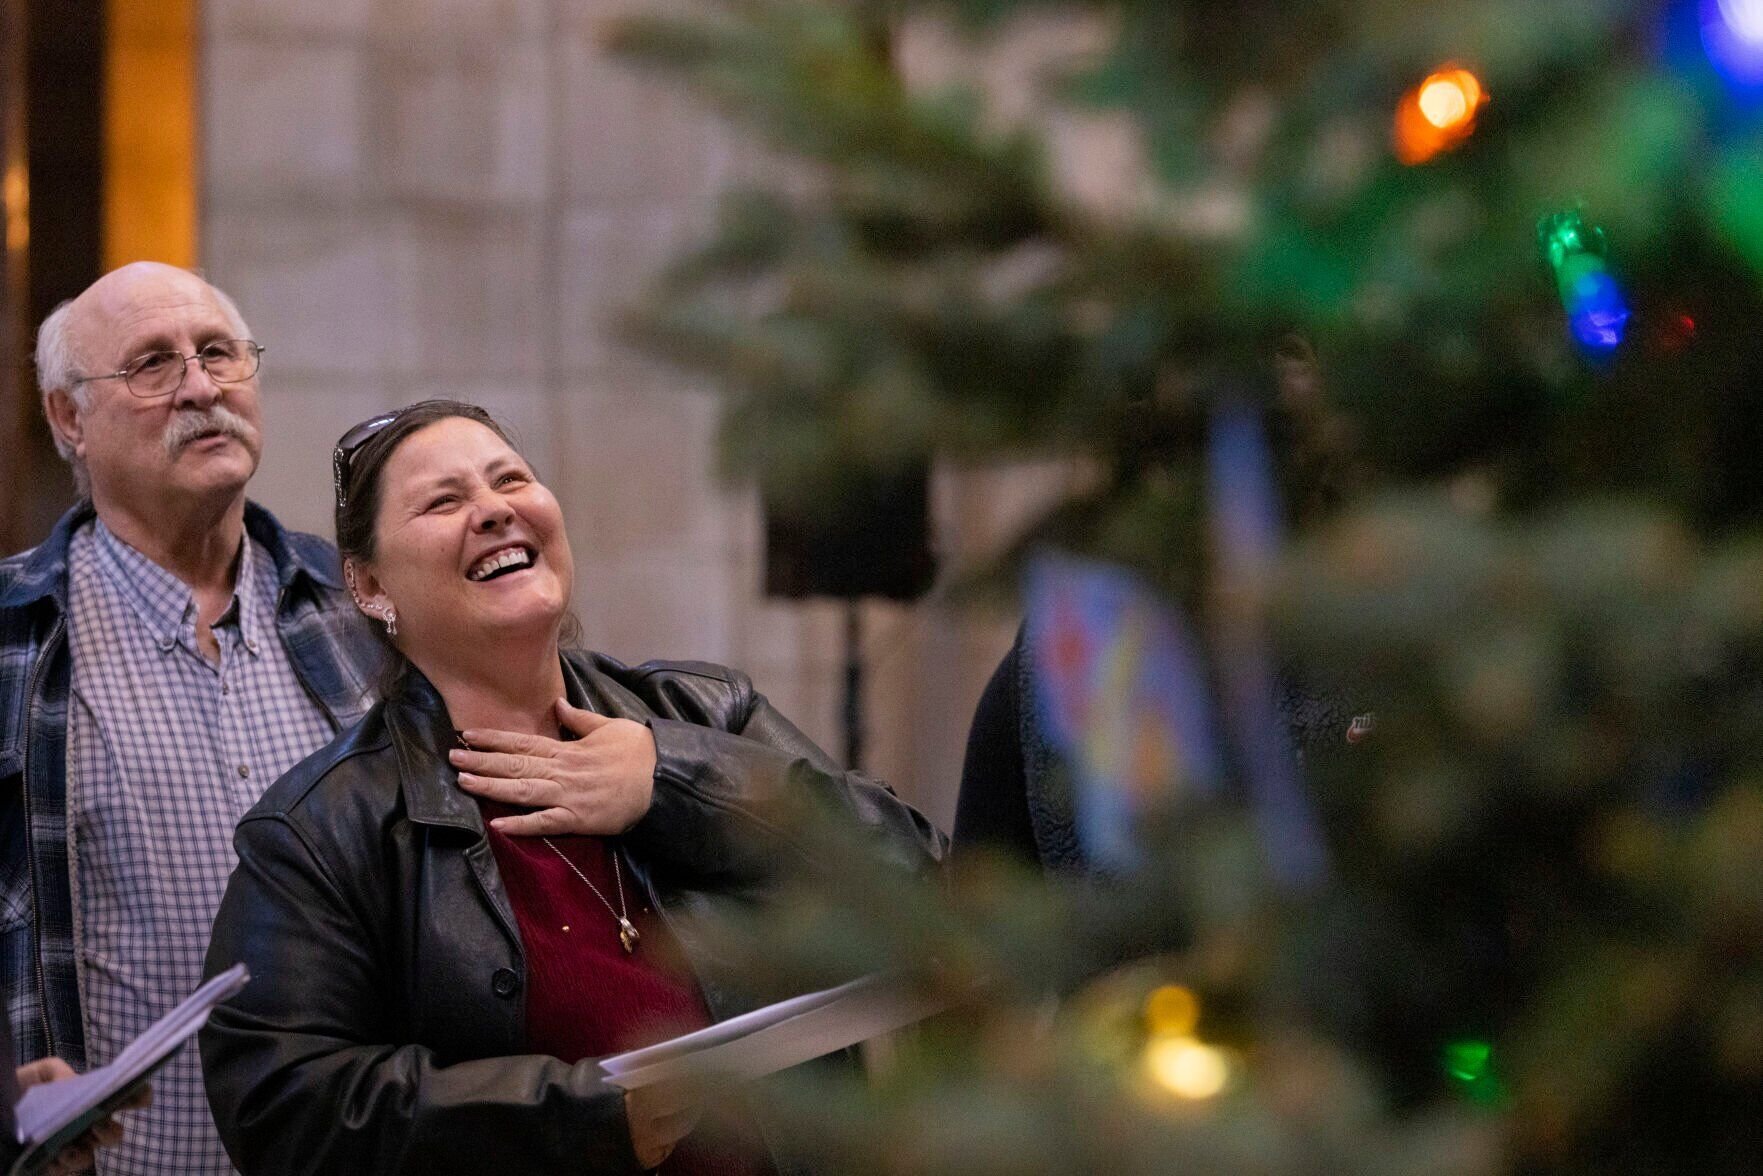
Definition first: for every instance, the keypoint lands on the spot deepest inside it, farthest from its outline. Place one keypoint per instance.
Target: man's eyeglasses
(349, 442)
(160, 373)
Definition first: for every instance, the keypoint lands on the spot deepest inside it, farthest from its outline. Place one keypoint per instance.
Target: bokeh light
(1172, 1010)
(1732, 33)
(1744, 18)
(1597, 310)
(1438, 114)
(1187, 1068)
(1469, 1064)
(1674, 332)
(1448, 99)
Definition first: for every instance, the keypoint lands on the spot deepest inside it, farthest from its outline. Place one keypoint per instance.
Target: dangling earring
(387, 613)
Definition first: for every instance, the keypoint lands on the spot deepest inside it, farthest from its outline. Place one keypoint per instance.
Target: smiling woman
(428, 497)
(453, 909)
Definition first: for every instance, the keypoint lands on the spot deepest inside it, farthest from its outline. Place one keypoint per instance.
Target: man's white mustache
(188, 426)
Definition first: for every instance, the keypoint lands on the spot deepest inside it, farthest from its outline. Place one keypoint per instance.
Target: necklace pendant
(628, 935)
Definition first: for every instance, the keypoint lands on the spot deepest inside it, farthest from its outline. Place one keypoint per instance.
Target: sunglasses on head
(349, 442)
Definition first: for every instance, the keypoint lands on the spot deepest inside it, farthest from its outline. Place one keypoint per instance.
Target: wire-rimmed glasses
(161, 373)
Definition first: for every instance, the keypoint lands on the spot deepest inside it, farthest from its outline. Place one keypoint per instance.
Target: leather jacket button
(504, 983)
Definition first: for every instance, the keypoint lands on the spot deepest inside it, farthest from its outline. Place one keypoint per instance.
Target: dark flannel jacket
(331, 651)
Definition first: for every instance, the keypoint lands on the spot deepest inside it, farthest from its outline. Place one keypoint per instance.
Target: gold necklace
(628, 935)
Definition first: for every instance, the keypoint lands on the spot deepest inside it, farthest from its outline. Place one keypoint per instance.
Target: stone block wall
(415, 198)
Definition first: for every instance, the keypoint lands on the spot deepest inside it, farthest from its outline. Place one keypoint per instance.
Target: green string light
(1469, 1064)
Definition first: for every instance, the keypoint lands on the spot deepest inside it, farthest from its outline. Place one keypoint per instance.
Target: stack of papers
(778, 1036)
(52, 1115)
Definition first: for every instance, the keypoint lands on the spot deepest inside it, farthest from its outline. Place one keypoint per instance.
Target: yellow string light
(1186, 1067)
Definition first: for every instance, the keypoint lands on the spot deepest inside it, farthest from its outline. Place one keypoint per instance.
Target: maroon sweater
(585, 995)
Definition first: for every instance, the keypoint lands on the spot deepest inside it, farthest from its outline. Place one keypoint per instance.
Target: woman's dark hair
(358, 467)
(359, 461)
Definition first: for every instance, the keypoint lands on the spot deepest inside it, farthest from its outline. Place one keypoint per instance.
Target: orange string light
(1438, 114)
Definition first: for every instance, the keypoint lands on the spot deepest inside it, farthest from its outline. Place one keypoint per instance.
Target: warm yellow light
(150, 131)
(1172, 1011)
(1443, 102)
(15, 192)
(1187, 1068)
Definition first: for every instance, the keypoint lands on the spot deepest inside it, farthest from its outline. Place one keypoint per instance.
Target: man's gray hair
(58, 368)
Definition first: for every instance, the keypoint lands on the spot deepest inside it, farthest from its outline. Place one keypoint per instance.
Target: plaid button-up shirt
(325, 644)
(166, 750)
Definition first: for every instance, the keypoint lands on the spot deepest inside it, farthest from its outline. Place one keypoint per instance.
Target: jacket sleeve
(303, 1077)
(725, 786)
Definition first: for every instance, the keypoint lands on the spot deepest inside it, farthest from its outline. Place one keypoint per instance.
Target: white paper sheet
(51, 1115)
(778, 1036)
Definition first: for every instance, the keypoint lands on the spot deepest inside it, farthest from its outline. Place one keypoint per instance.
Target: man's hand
(598, 784)
(77, 1156)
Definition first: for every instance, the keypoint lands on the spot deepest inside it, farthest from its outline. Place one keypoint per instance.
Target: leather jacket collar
(422, 732)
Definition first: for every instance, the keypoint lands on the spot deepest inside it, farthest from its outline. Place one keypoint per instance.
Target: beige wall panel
(302, 418)
(652, 606)
(319, 287)
(609, 255)
(464, 124)
(284, 122)
(666, 503)
(322, 18)
(475, 295)
(628, 136)
(480, 21)
(459, 197)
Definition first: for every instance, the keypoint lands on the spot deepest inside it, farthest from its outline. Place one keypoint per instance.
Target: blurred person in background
(452, 910)
(166, 652)
(1015, 797)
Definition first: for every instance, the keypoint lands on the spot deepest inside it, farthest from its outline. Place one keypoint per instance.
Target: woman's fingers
(678, 1125)
(504, 764)
(600, 784)
(524, 792)
(660, 1116)
(490, 739)
(551, 822)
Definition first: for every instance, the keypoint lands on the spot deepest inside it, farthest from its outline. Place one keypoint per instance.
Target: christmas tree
(1465, 294)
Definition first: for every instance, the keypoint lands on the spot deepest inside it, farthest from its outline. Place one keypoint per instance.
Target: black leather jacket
(383, 1027)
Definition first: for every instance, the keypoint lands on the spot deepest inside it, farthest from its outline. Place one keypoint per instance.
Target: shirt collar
(247, 599)
(165, 604)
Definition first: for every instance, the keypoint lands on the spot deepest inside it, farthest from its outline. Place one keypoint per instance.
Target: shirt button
(245, 770)
(504, 983)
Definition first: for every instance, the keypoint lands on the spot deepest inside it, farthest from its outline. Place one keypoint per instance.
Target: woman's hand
(107, 1132)
(598, 784)
(660, 1116)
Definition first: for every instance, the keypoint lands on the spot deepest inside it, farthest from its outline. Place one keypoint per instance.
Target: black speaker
(873, 540)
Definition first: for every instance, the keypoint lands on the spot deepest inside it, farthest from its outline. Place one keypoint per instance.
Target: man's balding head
(140, 307)
(60, 357)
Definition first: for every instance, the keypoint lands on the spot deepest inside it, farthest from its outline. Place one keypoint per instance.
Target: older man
(165, 654)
